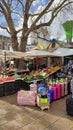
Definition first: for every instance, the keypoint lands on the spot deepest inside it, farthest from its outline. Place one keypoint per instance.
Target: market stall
(42, 74)
(59, 54)
(54, 58)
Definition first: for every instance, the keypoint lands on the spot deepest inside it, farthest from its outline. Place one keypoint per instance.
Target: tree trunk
(15, 47)
(19, 62)
(14, 43)
(23, 43)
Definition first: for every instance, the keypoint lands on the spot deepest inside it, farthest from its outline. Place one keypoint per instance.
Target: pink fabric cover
(55, 92)
(62, 89)
(26, 97)
(58, 86)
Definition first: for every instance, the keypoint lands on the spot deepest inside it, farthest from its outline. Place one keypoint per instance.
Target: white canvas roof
(61, 52)
(36, 53)
(11, 54)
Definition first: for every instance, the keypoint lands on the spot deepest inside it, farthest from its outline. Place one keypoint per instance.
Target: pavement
(15, 117)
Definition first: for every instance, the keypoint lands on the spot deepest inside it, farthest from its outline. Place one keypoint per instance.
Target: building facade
(5, 42)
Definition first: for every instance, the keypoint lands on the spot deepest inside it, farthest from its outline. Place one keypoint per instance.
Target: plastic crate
(1, 89)
(9, 88)
(25, 85)
(18, 84)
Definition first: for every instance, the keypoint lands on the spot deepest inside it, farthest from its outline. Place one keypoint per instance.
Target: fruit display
(4, 79)
(51, 70)
(54, 69)
(35, 76)
(48, 71)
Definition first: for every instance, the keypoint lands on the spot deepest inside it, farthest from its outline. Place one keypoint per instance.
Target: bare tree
(11, 11)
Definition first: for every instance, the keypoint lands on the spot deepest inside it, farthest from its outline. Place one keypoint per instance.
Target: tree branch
(61, 7)
(58, 7)
(2, 9)
(19, 30)
(2, 27)
(26, 15)
(6, 4)
(21, 5)
(54, 14)
(40, 15)
(8, 17)
(15, 12)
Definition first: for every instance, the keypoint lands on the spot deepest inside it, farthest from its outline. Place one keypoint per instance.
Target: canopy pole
(4, 69)
(37, 63)
(4, 58)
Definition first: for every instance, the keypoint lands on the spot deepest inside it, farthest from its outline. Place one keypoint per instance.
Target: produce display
(51, 70)
(4, 79)
(16, 76)
(9, 70)
(55, 69)
(35, 76)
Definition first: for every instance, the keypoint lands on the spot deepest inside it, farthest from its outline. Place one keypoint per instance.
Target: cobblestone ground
(15, 117)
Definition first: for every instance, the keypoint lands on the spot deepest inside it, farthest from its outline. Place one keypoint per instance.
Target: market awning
(11, 54)
(60, 52)
(37, 53)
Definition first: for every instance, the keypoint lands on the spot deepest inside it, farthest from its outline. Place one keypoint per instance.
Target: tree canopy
(12, 12)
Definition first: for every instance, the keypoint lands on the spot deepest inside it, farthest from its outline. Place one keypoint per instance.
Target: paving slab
(16, 117)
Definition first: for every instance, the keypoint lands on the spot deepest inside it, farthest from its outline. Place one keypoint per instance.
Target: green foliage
(68, 29)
